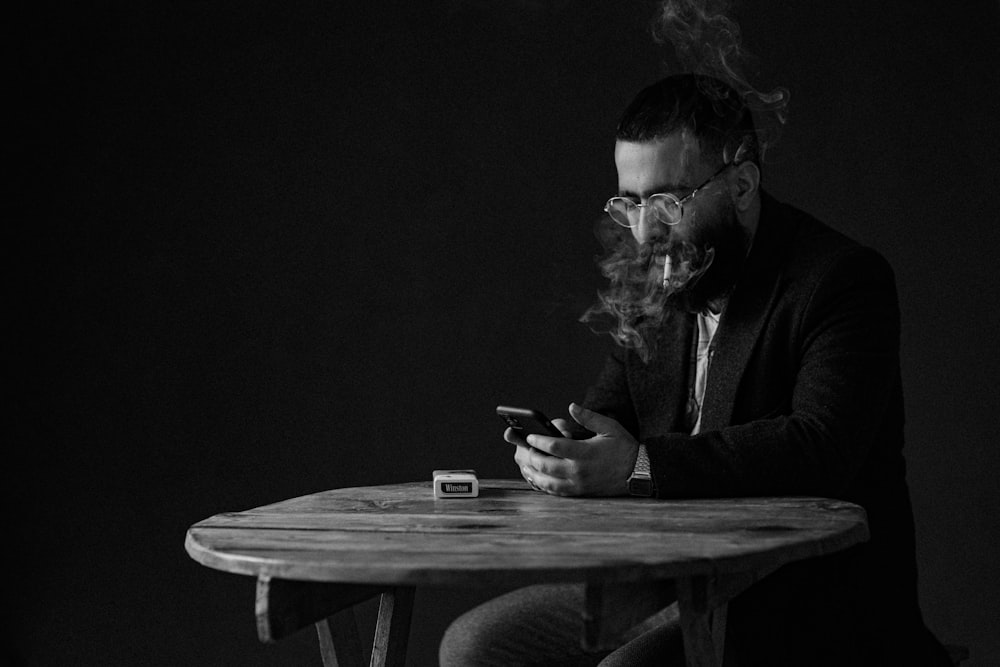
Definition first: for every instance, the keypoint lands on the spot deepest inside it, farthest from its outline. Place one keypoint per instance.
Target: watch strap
(640, 482)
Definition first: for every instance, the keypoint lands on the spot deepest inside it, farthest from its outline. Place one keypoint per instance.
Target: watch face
(640, 486)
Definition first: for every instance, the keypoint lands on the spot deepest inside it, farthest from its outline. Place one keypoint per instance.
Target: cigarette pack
(456, 484)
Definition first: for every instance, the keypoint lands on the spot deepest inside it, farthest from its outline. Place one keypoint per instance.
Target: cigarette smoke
(638, 298)
(704, 40)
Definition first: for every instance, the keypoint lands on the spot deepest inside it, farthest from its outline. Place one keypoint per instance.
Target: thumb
(594, 421)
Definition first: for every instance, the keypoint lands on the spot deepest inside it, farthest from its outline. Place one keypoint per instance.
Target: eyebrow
(666, 187)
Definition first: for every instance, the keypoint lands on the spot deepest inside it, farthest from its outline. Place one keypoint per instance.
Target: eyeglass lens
(663, 209)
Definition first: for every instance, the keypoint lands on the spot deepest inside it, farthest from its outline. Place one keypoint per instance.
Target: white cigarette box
(456, 484)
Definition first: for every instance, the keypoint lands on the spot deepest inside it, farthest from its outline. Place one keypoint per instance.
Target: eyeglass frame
(679, 203)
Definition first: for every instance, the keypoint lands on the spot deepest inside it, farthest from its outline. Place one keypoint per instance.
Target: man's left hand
(598, 466)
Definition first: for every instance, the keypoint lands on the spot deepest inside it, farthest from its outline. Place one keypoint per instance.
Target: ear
(745, 184)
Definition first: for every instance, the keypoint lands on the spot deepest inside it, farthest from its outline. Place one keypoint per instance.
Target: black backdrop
(278, 248)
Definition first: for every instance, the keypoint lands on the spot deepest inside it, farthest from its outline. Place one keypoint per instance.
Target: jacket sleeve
(610, 395)
(843, 347)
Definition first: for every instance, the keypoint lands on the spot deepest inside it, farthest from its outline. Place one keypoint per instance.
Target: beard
(705, 261)
(718, 246)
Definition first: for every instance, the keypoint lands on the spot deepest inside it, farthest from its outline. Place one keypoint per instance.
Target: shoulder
(813, 252)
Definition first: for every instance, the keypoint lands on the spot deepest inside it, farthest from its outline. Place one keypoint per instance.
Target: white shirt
(708, 322)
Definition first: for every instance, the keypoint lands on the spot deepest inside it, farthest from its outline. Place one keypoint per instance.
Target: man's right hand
(597, 466)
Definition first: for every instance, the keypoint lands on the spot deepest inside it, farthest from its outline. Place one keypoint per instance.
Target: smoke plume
(648, 282)
(638, 297)
(705, 39)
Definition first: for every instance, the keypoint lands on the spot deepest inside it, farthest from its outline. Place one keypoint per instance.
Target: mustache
(644, 282)
(678, 263)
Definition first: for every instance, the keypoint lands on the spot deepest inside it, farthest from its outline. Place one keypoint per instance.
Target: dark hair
(707, 107)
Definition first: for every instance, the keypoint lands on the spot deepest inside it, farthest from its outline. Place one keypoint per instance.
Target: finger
(565, 427)
(550, 466)
(531, 476)
(561, 447)
(550, 484)
(594, 421)
(535, 478)
(522, 455)
(513, 437)
(546, 483)
(572, 429)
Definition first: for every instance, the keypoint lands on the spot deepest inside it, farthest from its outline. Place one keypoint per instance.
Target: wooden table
(316, 556)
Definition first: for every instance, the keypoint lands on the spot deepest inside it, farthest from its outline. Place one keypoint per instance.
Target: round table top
(401, 535)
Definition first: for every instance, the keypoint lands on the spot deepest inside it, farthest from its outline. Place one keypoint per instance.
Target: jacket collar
(749, 306)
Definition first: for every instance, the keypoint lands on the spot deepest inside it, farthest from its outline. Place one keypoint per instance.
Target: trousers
(543, 625)
(767, 627)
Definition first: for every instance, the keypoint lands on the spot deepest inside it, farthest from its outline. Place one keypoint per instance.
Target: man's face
(708, 245)
(671, 165)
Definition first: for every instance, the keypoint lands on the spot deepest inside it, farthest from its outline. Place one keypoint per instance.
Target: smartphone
(526, 421)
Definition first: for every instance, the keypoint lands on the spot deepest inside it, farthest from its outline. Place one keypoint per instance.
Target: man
(759, 357)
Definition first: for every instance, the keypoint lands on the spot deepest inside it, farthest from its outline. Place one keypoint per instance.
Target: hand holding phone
(525, 421)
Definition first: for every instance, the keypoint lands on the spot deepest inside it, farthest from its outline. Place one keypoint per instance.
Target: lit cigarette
(666, 271)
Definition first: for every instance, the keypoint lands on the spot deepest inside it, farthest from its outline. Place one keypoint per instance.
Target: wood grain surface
(401, 535)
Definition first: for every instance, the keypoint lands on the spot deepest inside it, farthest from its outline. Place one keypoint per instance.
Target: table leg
(392, 630)
(339, 643)
(284, 607)
(703, 603)
(703, 623)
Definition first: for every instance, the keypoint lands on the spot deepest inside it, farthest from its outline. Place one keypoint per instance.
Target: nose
(649, 228)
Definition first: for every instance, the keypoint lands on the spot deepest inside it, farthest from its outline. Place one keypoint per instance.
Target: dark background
(273, 249)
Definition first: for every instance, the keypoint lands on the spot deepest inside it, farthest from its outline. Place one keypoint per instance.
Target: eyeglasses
(663, 207)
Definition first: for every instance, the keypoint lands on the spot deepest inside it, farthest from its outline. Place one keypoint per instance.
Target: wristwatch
(640, 482)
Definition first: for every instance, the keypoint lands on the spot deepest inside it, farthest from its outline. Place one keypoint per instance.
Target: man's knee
(533, 625)
(464, 643)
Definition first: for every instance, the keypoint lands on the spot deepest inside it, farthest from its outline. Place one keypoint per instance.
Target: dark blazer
(803, 398)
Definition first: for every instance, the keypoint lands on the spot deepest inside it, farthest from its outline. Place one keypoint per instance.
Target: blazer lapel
(660, 387)
(743, 319)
